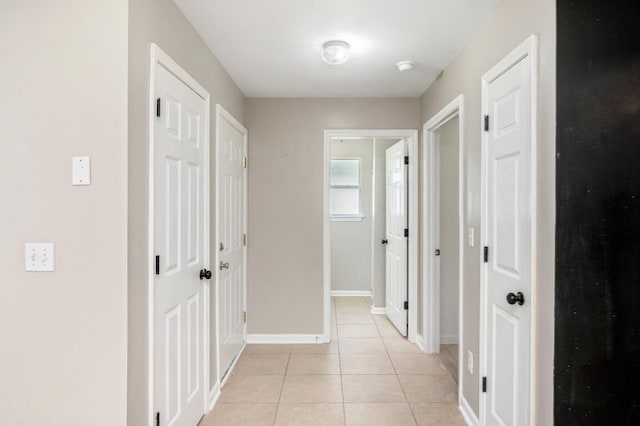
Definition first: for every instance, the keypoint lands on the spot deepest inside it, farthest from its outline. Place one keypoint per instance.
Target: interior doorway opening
(354, 227)
(443, 238)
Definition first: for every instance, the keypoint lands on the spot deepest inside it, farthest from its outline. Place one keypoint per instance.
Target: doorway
(410, 136)
(443, 241)
(179, 244)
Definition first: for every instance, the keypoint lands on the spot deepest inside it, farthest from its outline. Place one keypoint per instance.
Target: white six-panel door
(396, 247)
(179, 228)
(507, 201)
(231, 181)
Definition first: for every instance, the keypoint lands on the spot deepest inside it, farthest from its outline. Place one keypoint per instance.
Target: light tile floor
(368, 375)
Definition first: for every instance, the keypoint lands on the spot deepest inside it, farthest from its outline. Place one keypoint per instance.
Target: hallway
(368, 375)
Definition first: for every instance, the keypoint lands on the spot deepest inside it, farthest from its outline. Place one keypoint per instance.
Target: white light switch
(39, 257)
(471, 237)
(81, 170)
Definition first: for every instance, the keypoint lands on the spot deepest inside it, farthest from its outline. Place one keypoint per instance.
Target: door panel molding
(158, 58)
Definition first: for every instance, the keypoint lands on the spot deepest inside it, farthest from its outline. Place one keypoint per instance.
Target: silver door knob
(224, 265)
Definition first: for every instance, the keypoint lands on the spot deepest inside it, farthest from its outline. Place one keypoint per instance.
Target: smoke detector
(404, 66)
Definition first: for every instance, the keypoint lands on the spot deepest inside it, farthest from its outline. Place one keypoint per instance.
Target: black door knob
(385, 241)
(204, 273)
(518, 298)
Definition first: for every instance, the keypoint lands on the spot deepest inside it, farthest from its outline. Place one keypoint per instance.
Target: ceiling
(272, 48)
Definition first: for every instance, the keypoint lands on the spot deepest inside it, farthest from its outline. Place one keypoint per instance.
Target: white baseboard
(284, 338)
(420, 342)
(214, 396)
(378, 311)
(468, 414)
(350, 293)
(449, 340)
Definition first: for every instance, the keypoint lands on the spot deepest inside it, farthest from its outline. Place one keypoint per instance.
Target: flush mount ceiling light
(404, 66)
(335, 52)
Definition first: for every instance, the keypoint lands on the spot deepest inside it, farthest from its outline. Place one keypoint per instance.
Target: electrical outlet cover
(39, 257)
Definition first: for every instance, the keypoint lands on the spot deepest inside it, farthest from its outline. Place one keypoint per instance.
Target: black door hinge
(406, 305)
(158, 103)
(437, 252)
(406, 232)
(486, 123)
(406, 159)
(486, 254)
(158, 418)
(484, 384)
(157, 265)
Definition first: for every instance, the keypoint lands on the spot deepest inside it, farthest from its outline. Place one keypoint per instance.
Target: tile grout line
(284, 378)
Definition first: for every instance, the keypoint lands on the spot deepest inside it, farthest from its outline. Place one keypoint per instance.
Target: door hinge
(486, 254)
(406, 159)
(244, 162)
(406, 305)
(437, 252)
(484, 384)
(244, 240)
(406, 232)
(244, 316)
(158, 103)
(157, 265)
(158, 418)
(486, 123)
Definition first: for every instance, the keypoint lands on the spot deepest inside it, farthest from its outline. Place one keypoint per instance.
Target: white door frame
(412, 144)
(528, 48)
(431, 229)
(160, 58)
(222, 113)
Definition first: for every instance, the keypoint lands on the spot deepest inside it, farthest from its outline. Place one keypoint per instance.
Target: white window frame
(348, 217)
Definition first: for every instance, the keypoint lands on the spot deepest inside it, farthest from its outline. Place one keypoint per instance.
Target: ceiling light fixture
(335, 52)
(404, 66)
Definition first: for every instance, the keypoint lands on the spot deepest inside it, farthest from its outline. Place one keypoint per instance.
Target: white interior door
(507, 199)
(396, 247)
(180, 245)
(232, 238)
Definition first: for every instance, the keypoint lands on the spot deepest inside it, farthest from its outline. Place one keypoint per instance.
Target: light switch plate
(39, 257)
(81, 170)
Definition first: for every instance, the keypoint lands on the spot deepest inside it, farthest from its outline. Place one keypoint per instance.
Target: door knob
(204, 273)
(385, 241)
(224, 265)
(518, 298)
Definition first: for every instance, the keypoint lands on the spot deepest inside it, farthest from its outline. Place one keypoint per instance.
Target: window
(345, 188)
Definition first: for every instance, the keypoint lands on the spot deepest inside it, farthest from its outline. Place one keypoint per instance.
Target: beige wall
(448, 145)
(161, 22)
(511, 23)
(63, 356)
(351, 240)
(285, 201)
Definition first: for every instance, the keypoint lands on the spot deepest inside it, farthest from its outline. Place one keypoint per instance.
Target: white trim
(159, 57)
(378, 310)
(350, 293)
(262, 339)
(355, 218)
(431, 233)
(412, 145)
(420, 342)
(467, 412)
(222, 113)
(214, 396)
(227, 374)
(449, 339)
(527, 48)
